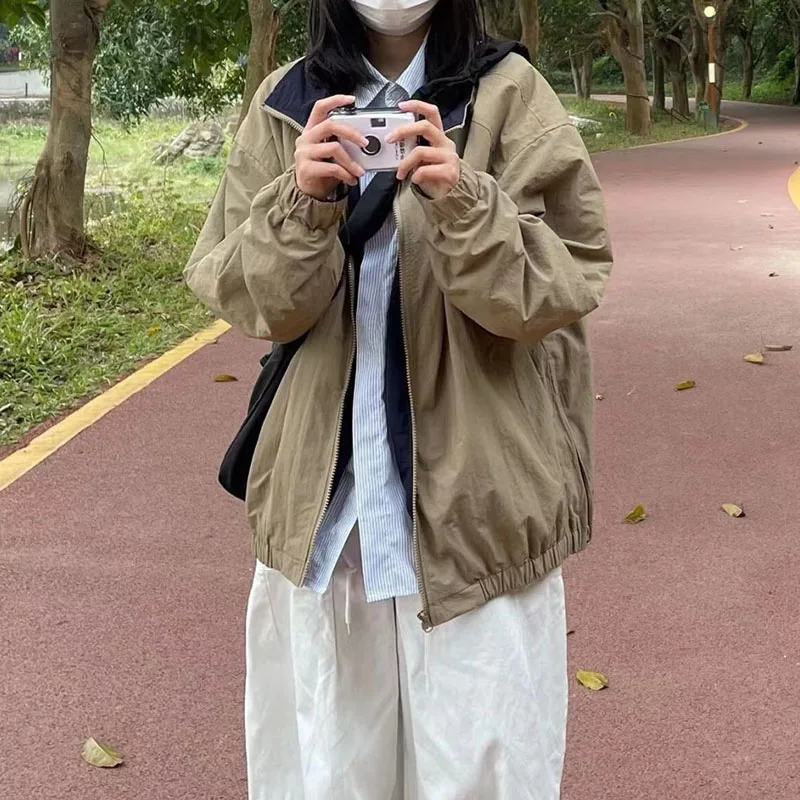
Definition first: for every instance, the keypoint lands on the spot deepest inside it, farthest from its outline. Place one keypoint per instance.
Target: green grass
(613, 134)
(66, 331)
(764, 91)
(120, 157)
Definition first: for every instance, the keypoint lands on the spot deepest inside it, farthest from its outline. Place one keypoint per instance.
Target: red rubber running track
(124, 570)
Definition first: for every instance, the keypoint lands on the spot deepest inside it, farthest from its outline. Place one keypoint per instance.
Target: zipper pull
(426, 622)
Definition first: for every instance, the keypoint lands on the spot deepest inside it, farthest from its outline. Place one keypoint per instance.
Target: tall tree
(667, 26)
(265, 26)
(622, 30)
(570, 34)
(529, 20)
(52, 213)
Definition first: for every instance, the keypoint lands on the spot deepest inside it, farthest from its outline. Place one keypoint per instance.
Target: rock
(584, 123)
(199, 140)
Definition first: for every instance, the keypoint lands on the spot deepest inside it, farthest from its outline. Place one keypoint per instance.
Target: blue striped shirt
(371, 493)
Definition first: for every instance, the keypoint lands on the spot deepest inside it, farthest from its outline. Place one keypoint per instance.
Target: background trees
(123, 56)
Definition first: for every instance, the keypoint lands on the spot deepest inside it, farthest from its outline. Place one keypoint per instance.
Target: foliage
(14, 11)
(68, 330)
(149, 51)
(568, 26)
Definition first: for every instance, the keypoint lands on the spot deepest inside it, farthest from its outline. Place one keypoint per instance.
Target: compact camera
(375, 124)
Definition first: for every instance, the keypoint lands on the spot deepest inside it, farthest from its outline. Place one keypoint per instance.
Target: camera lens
(372, 147)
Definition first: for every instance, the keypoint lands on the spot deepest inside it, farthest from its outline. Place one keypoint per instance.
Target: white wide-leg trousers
(346, 700)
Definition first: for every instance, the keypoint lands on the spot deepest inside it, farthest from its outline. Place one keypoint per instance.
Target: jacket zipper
(339, 426)
(340, 420)
(424, 615)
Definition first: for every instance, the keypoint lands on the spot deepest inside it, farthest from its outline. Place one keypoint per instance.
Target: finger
(324, 107)
(331, 150)
(427, 130)
(419, 156)
(427, 110)
(330, 129)
(435, 173)
(321, 170)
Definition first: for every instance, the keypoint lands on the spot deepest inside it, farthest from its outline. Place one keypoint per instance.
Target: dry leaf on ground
(153, 331)
(778, 348)
(637, 515)
(737, 247)
(599, 397)
(754, 358)
(773, 275)
(224, 379)
(100, 754)
(733, 510)
(592, 680)
(684, 385)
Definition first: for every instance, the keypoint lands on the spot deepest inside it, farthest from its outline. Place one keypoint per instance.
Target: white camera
(375, 124)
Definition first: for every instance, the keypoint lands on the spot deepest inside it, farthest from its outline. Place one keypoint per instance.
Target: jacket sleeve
(268, 259)
(526, 253)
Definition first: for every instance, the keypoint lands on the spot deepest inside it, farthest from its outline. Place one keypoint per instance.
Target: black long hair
(337, 42)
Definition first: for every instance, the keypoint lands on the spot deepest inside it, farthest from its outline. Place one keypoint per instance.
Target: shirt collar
(411, 81)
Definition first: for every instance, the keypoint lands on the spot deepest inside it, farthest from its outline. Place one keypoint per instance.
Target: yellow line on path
(794, 188)
(18, 463)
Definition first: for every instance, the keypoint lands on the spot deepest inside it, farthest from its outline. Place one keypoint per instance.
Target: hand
(320, 161)
(435, 168)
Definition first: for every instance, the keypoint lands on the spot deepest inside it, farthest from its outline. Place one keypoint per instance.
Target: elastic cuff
(312, 213)
(459, 201)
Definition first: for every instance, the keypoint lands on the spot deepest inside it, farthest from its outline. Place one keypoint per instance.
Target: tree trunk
(585, 74)
(680, 92)
(659, 97)
(624, 37)
(576, 75)
(674, 59)
(747, 65)
(529, 17)
(796, 39)
(265, 25)
(52, 213)
(699, 61)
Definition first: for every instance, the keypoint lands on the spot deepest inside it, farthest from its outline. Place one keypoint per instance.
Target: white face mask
(394, 17)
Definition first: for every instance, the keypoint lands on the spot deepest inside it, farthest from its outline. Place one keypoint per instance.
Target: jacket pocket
(579, 465)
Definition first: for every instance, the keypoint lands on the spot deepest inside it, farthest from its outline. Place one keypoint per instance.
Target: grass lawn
(68, 331)
(613, 134)
(120, 158)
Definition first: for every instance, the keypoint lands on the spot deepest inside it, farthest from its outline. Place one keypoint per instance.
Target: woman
(424, 468)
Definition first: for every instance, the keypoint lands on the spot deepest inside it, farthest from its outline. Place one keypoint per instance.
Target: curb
(14, 466)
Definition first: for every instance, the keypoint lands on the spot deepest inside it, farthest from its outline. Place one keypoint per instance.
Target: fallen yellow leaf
(224, 378)
(99, 754)
(153, 331)
(637, 515)
(778, 348)
(592, 680)
(732, 510)
(754, 358)
(684, 385)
